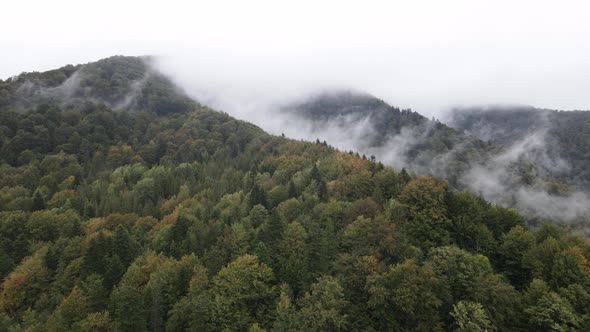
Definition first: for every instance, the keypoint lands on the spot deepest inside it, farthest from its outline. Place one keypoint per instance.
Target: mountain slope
(119, 82)
(401, 137)
(520, 168)
(137, 219)
(565, 135)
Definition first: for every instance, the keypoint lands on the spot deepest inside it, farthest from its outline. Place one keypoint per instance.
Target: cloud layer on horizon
(426, 55)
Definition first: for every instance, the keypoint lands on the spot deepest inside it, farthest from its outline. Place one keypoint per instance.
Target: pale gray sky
(421, 54)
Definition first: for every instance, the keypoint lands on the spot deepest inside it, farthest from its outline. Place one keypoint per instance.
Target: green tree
(95, 292)
(126, 302)
(513, 247)
(406, 297)
(323, 307)
(193, 312)
(293, 256)
(71, 310)
(460, 270)
(470, 317)
(242, 294)
(257, 196)
(424, 211)
(96, 322)
(286, 314)
(23, 286)
(38, 201)
(541, 258)
(470, 277)
(552, 313)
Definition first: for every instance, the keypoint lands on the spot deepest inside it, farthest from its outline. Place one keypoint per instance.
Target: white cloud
(247, 57)
(421, 54)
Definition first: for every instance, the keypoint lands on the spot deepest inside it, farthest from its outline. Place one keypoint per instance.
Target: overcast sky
(421, 54)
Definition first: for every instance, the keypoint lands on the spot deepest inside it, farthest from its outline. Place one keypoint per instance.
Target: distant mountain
(104, 93)
(119, 82)
(518, 162)
(401, 137)
(126, 206)
(563, 135)
(535, 160)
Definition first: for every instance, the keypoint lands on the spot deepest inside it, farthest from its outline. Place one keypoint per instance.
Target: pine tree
(257, 196)
(123, 245)
(292, 190)
(315, 173)
(405, 176)
(38, 201)
(323, 191)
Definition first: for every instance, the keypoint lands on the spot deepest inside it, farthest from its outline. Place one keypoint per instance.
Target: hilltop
(148, 216)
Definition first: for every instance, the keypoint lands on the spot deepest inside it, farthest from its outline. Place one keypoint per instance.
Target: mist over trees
(529, 159)
(159, 217)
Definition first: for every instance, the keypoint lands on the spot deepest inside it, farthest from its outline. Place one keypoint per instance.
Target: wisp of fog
(253, 59)
(492, 179)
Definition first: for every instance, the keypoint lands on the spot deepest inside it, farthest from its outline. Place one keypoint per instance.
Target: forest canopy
(160, 217)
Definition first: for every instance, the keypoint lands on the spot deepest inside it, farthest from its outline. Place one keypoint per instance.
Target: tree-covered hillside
(119, 82)
(566, 134)
(525, 165)
(156, 218)
(425, 146)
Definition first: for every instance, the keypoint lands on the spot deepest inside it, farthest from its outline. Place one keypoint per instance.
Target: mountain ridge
(524, 163)
(193, 220)
(398, 137)
(119, 82)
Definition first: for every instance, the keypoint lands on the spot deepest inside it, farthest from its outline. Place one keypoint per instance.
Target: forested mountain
(401, 136)
(118, 82)
(161, 214)
(540, 169)
(565, 135)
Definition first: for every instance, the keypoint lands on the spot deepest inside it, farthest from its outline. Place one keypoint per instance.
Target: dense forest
(426, 146)
(507, 156)
(566, 134)
(157, 213)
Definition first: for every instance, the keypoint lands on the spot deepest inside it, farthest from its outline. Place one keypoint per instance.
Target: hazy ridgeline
(528, 158)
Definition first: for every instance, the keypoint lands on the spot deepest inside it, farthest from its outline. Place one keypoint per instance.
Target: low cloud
(495, 177)
(34, 91)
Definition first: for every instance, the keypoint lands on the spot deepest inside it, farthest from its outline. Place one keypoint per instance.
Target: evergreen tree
(257, 196)
(38, 201)
(292, 190)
